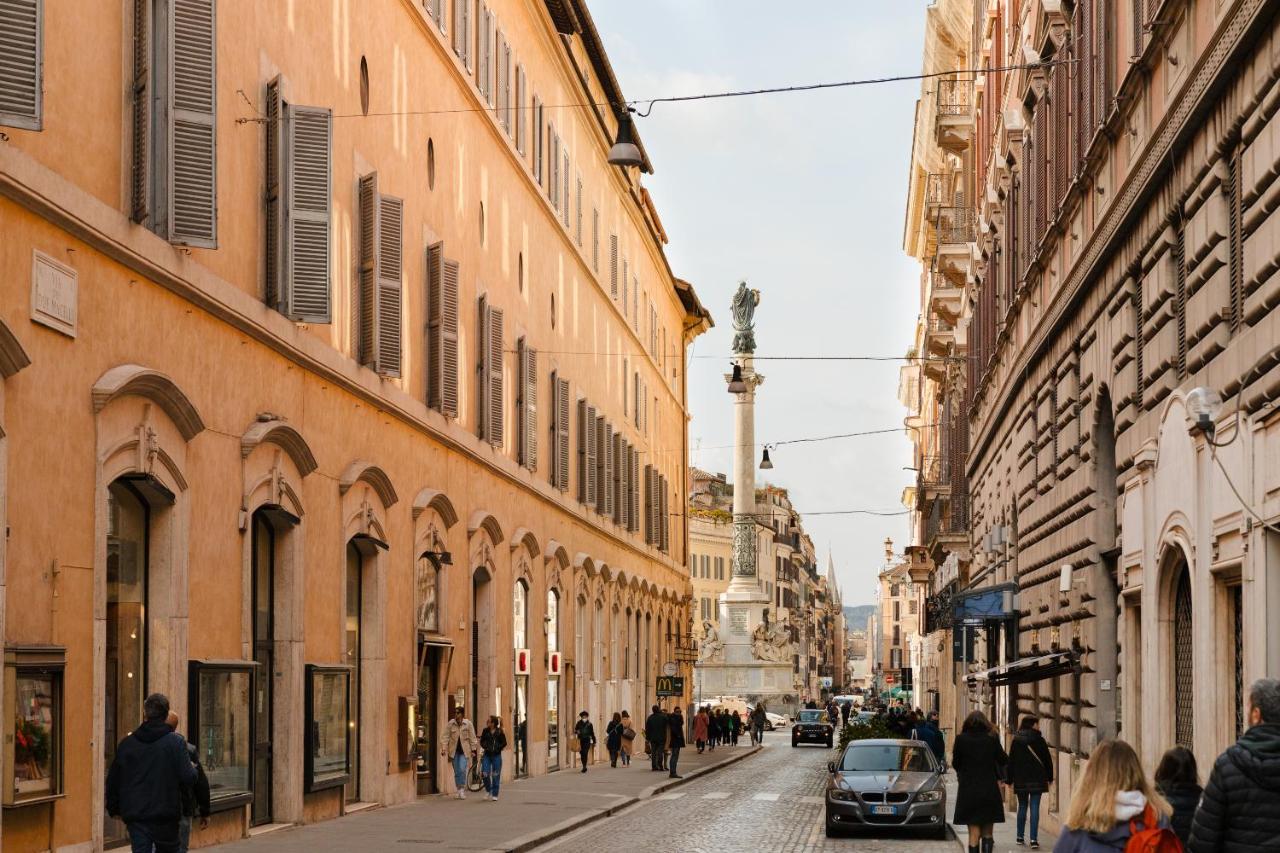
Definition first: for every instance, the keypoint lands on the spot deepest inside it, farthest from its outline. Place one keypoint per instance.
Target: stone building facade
(342, 382)
(1118, 173)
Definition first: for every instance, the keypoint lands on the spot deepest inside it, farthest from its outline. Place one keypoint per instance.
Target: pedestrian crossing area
(761, 796)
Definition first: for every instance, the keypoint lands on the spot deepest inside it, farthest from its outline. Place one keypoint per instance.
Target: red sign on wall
(522, 661)
(553, 663)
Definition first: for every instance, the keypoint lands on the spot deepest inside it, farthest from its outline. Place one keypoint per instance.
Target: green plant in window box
(31, 746)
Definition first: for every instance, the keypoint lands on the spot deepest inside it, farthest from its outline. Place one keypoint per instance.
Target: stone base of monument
(748, 666)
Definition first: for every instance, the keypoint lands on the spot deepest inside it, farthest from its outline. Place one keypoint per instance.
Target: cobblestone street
(771, 801)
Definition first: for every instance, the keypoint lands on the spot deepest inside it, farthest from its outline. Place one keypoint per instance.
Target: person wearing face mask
(1240, 810)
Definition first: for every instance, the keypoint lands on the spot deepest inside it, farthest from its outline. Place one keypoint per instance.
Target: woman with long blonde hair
(1112, 798)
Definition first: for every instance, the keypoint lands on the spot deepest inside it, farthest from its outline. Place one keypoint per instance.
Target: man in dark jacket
(655, 737)
(675, 720)
(148, 778)
(1240, 811)
(929, 732)
(194, 799)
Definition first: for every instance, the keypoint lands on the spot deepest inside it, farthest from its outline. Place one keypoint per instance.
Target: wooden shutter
(520, 119)
(192, 160)
(618, 478)
(626, 290)
(21, 57)
(564, 179)
(648, 504)
(140, 176)
(497, 415)
(458, 26)
(275, 195)
(604, 467)
(562, 434)
(307, 215)
(449, 338)
(366, 318)
(613, 265)
(664, 516)
(435, 320)
(578, 208)
(595, 239)
(635, 487)
(528, 405)
(390, 268)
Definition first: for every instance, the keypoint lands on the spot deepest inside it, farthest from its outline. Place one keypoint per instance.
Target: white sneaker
(462, 794)
(458, 794)
(494, 798)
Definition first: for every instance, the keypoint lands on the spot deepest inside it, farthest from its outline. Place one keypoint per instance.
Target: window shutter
(635, 488)
(275, 195)
(140, 177)
(520, 117)
(583, 433)
(618, 463)
(613, 265)
(390, 267)
(528, 405)
(366, 318)
(592, 479)
(21, 47)
(626, 289)
(577, 208)
(497, 415)
(595, 239)
(435, 317)
(192, 162)
(562, 435)
(648, 504)
(604, 489)
(664, 520)
(565, 182)
(449, 339)
(307, 217)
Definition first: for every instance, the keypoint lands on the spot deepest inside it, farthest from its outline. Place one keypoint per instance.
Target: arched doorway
(520, 640)
(353, 639)
(263, 629)
(1183, 647)
(481, 646)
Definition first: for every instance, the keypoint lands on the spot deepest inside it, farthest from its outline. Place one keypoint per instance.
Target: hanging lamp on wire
(765, 463)
(736, 383)
(625, 152)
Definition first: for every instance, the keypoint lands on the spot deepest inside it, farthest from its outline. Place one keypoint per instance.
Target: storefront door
(428, 719)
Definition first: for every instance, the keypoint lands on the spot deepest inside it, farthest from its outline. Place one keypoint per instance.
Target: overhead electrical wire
(631, 105)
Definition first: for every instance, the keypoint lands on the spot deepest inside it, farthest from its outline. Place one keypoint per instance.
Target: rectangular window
(21, 34)
(219, 706)
(174, 145)
(32, 753)
(911, 607)
(442, 331)
(693, 566)
(327, 730)
(381, 222)
(527, 405)
(298, 200)
(578, 209)
(520, 118)
(564, 175)
(490, 396)
(595, 240)
(613, 265)
(626, 300)
(536, 146)
(560, 432)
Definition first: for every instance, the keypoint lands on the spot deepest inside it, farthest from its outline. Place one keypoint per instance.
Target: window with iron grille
(1183, 661)
(1236, 598)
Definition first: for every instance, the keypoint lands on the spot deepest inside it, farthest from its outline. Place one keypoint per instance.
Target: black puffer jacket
(149, 775)
(1030, 764)
(1240, 811)
(1184, 799)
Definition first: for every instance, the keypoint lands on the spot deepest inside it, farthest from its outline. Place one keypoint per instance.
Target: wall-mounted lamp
(1204, 405)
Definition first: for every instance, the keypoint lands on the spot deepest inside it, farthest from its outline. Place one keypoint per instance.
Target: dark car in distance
(886, 784)
(812, 726)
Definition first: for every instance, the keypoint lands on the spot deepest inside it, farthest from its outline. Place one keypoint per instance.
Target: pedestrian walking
(713, 728)
(833, 713)
(195, 799)
(147, 780)
(1178, 781)
(459, 744)
(675, 725)
(613, 738)
(628, 739)
(757, 725)
(1240, 810)
(701, 721)
(655, 736)
(586, 734)
(1114, 807)
(845, 708)
(735, 727)
(493, 740)
(929, 732)
(979, 761)
(1030, 772)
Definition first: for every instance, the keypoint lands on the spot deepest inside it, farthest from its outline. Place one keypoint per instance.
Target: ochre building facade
(343, 383)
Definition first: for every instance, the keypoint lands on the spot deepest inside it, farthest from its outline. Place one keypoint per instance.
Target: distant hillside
(856, 617)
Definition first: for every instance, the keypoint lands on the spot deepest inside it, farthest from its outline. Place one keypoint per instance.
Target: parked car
(774, 721)
(886, 784)
(812, 726)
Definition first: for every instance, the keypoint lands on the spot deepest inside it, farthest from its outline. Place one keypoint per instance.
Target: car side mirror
(831, 767)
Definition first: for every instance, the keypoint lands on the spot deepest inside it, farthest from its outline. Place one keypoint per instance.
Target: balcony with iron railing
(954, 125)
(932, 481)
(939, 335)
(946, 294)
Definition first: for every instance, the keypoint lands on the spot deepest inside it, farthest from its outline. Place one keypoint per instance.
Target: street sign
(888, 678)
(670, 668)
(670, 685)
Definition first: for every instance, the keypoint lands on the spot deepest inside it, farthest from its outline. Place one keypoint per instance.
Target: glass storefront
(33, 751)
(553, 683)
(221, 724)
(329, 733)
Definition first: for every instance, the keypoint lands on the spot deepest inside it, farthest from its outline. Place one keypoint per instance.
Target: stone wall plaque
(54, 292)
(738, 622)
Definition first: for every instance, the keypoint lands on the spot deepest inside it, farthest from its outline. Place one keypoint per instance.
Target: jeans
(157, 837)
(675, 757)
(184, 834)
(491, 772)
(757, 734)
(1031, 801)
(460, 770)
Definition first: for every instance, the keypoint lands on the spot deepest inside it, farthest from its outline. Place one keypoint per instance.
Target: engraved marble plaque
(738, 622)
(53, 294)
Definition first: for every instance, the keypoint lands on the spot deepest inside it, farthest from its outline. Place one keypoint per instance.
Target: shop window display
(221, 727)
(33, 757)
(328, 715)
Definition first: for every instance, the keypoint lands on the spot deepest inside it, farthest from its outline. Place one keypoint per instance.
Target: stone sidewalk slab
(529, 812)
(1005, 834)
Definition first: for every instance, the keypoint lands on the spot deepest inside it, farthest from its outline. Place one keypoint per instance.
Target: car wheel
(829, 743)
(794, 743)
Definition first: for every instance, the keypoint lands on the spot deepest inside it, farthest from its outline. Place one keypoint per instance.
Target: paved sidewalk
(1005, 833)
(529, 812)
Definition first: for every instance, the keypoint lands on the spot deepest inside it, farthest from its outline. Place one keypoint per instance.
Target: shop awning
(1028, 669)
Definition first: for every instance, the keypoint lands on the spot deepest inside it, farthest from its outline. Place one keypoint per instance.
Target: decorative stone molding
(286, 437)
(12, 356)
(133, 379)
(360, 470)
(436, 500)
(482, 519)
(556, 551)
(523, 536)
(583, 562)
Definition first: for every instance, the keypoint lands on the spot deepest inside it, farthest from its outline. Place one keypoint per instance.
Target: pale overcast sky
(802, 195)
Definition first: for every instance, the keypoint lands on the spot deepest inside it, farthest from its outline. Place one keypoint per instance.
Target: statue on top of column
(744, 303)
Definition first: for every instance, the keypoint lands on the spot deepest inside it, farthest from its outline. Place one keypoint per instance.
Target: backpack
(1155, 839)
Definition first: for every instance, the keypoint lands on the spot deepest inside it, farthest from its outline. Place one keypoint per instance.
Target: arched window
(615, 625)
(428, 594)
(597, 643)
(1183, 653)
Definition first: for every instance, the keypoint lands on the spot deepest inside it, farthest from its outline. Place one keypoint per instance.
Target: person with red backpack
(1114, 807)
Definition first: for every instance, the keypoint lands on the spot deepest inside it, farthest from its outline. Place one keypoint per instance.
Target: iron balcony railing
(936, 189)
(957, 224)
(955, 97)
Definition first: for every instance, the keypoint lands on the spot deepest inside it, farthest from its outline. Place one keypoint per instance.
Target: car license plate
(883, 810)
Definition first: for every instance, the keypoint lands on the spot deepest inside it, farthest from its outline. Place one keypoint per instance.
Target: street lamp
(625, 152)
(736, 383)
(1204, 405)
(765, 463)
